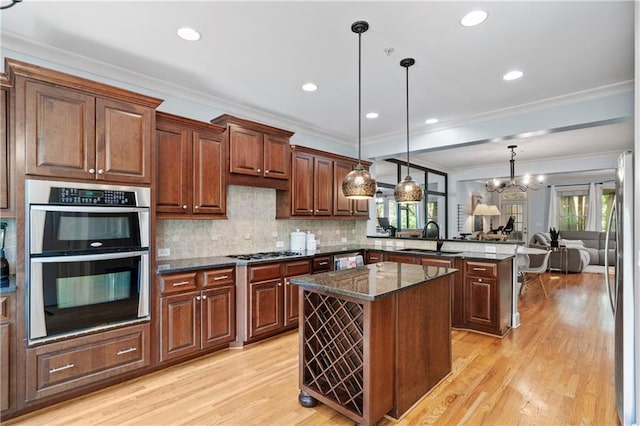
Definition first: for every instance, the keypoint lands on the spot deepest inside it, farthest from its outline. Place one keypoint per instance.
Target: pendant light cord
(408, 170)
(359, 97)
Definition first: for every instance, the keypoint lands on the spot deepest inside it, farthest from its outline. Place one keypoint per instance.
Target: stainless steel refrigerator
(622, 292)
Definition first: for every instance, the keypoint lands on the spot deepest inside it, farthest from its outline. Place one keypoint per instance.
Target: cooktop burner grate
(264, 255)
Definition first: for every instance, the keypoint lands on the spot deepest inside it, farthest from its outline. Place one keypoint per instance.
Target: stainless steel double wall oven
(88, 257)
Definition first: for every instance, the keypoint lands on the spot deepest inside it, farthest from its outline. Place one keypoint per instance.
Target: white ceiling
(254, 56)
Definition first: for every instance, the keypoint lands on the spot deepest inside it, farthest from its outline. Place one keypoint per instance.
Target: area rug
(597, 269)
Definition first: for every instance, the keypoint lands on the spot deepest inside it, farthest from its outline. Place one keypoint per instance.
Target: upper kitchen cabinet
(191, 159)
(7, 203)
(259, 155)
(315, 189)
(80, 129)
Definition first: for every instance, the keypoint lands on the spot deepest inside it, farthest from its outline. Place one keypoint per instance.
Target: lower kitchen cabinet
(7, 322)
(487, 296)
(65, 366)
(372, 256)
(322, 264)
(272, 305)
(197, 312)
(401, 258)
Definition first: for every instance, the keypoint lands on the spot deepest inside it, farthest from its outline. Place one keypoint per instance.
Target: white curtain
(594, 221)
(552, 220)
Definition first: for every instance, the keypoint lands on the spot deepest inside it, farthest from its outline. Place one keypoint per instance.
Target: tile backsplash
(251, 227)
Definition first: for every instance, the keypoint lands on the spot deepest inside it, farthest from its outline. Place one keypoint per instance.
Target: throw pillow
(572, 243)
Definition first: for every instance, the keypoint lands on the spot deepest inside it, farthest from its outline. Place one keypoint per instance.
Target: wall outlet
(279, 244)
(399, 243)
(490, 249)
(163, 252)
(344, 240)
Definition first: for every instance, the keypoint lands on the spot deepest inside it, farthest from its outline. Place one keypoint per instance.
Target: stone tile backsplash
(251, 227)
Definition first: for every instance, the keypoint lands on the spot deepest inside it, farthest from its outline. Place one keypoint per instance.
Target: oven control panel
(81, 197)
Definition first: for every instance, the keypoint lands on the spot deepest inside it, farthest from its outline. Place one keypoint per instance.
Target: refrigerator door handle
(607, 278)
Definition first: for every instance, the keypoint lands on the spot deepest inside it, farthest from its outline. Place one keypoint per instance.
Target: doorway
(515, 204)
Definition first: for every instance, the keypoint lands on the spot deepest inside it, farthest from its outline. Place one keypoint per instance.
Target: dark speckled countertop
(167, 266)
(370, 282)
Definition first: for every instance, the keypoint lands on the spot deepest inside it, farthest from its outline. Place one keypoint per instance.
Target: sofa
(583, 248)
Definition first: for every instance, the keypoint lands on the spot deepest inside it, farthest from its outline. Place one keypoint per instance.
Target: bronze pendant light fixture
(359, 184)
(407, 191)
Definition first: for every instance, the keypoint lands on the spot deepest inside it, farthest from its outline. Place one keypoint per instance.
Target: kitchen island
(374, 339)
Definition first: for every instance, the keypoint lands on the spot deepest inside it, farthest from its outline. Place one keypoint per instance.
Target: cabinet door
(5, 349)
(246, 151)
(323, 187)
(341, 205)
(480, 303)
(123, 141)
(59, 131)
(265, 305)
(6, 177)
(277, 157)
(209, 183)
(180, 328)
(290, 304)
(218, 316)
(360, 207)
(302, 185)
(173, 169)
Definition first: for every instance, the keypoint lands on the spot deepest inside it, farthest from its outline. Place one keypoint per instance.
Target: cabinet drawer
(375, 257)
(264, 272)
(217, 277)
(481, 269)
(322, 264)
(430, 261)
(67, 365)
(175, 283)
(298, 267)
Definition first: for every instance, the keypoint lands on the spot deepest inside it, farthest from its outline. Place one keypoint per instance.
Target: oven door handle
(89, 257)
(85, 209)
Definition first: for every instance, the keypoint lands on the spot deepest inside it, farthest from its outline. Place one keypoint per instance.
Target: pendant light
(407, 191)
(359, 184)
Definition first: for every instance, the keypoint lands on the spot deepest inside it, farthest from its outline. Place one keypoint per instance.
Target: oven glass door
(65, 229)
(70, 294)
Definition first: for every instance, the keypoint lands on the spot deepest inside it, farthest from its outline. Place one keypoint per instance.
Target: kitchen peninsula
(374, 339)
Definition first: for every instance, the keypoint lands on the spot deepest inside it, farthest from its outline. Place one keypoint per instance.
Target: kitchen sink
(429, 251)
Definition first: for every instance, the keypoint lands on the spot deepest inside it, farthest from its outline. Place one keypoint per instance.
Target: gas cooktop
(264, 255)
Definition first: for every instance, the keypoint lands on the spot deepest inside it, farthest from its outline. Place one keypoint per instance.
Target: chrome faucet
(425, 233)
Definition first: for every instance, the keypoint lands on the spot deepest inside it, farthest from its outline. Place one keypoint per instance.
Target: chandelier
(523, 183)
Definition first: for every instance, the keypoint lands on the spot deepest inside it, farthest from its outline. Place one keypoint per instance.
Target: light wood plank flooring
(556, 369)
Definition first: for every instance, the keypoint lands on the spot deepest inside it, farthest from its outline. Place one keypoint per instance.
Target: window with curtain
(573, 209)
(608, 198)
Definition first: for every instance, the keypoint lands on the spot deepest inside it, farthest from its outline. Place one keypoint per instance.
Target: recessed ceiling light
(513, 75)
(309, 87)
(372, 115)
(473, 18)
(431, 121)
(188, 34)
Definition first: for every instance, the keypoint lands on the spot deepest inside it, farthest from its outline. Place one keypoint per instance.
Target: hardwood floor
(556, 369)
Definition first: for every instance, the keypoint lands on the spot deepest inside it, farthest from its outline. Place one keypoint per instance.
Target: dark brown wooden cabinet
(372, 256)
(322, 263)
(259, 155)
(79, 129)
(191, 161)
(7, 178)
(487, 296)
(401, 258)
(272, 302)
(197, 312)
(312, 192)
(7, 348)
(67, 365)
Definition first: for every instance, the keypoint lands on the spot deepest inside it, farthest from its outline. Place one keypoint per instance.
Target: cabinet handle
(221, 277)
(198, 297)
(479, 280)
(92, 171)
(126, 351)
(65, 367)
(204, 296)
(279, 283)
(184, 207)
(479, 269)
(266, 171)
(100, 171)
(197, 207)
(258, 170)
(323, 263)
(180, 283)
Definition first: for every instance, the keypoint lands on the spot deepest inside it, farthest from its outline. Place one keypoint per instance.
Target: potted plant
(554, 236)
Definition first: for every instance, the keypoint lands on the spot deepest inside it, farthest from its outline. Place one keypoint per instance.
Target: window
(573, 206)
(409, 216)
(608, 198)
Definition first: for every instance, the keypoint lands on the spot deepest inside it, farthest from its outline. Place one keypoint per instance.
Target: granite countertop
(453, 240)
(12, 285)
(167, 266)
(370, 282)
